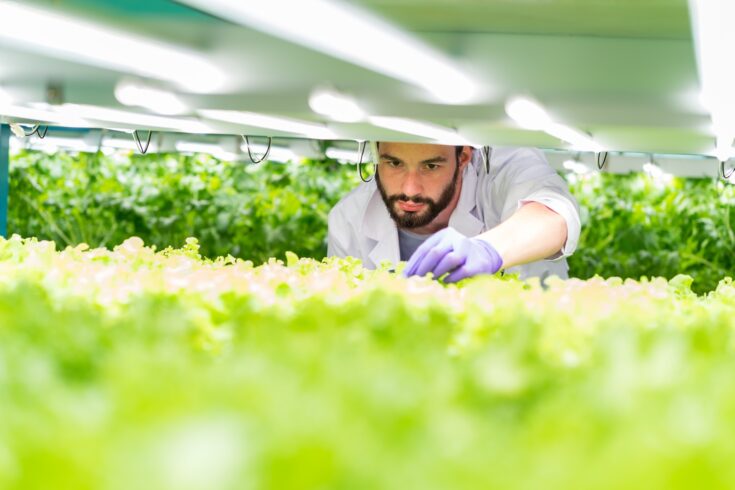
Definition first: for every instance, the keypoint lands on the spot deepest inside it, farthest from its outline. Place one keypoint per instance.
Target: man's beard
(414, 219)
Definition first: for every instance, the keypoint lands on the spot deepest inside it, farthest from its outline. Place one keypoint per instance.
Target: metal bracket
(142, 148)
(250, 153)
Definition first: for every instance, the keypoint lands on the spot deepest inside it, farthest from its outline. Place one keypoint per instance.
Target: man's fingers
(450, 262)
(433, 257)
(418, 256)
(458, 274)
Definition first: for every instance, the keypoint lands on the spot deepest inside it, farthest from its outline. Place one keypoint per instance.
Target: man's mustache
(415, 199)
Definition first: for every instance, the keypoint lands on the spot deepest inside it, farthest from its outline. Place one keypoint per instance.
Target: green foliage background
(251, 211)
(632, 225)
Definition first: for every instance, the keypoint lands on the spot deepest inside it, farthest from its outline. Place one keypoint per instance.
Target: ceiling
(623, 71)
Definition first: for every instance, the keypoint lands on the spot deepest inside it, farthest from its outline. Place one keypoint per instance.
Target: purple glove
(450, 251)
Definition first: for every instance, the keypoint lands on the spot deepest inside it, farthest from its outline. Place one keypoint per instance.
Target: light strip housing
(530, 115)
(353, 34)
(253, 119)
(714, 37)
(82, 41)
(440, 134)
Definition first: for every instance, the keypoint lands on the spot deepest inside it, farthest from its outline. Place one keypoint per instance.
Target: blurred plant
(254, 212)
(634, 226)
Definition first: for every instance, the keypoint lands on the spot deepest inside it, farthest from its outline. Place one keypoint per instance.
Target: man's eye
(431, 166)
(392, 163)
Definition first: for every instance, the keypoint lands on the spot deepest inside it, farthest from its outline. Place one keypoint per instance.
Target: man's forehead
(415, 149)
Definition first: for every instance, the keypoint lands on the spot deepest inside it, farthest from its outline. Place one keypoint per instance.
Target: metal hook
(250, 153)
(38, 132)
(34, 130)
(723, 173)
(601, 164)
(143, 149)
(361, 146)
(486, 152)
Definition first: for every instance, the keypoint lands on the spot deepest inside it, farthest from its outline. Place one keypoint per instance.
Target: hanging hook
(33, 130)
(250, 153)
(601, 163)
(143, 149)
(486, 152)
(724, 174)
(361, 146)
(36, 129)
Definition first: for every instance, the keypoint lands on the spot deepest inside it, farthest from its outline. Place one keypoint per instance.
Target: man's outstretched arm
(534, 232)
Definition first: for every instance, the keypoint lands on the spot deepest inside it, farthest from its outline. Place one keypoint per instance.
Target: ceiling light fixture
(87, 42)
(252, 119)
(354, 35)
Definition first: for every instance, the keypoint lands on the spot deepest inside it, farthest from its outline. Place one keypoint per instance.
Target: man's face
(417, 181)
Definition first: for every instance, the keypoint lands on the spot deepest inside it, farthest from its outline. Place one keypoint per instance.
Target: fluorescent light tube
(157, 100)
(352, 34)
(335, 106)
(52, 33)
(528, 114)
(301, 128)
(714, 37)
(143, 121)
(577, 139)
(44, 116)
(440, 134)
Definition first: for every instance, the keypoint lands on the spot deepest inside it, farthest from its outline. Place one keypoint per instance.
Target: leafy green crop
(160, 370)
(634, 226)
(254, 212)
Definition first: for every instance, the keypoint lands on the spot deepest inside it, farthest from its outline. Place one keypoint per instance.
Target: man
(437, 207)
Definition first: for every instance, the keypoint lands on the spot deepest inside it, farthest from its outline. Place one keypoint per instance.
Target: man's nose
(412, 184)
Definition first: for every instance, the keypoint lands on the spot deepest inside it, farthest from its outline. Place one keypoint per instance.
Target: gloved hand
(450, 251)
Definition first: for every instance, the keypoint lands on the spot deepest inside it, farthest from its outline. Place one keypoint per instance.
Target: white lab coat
(360, 226)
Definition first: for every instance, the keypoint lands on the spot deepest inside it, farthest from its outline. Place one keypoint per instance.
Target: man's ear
(465, 157)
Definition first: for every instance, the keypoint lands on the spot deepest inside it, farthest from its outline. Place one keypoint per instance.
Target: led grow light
(301, 128)
(712, 22)
(157, 100)
(79, 41)
(354, 35)
(530, 115)
(441, 135)
(144, 121)
(335, 106)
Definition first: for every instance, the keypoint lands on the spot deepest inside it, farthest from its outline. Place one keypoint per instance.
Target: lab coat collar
(380, 228)
(463, 218)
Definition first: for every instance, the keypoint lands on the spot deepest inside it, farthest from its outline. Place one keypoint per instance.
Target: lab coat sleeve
(529, 178)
